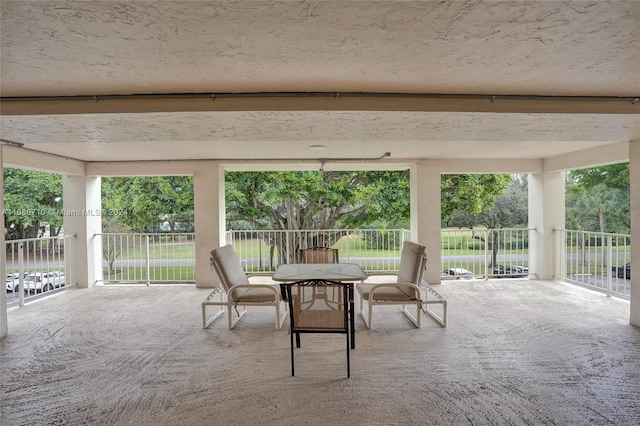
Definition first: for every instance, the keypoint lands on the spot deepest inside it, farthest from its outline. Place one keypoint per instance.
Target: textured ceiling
(94, 48)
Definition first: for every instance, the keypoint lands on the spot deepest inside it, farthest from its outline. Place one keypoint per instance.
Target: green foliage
(316, 200)
(322, 200)
(598, 199)
(471, 193)
(147, 202)
(31, 199)
(510, 209)
(614, 176)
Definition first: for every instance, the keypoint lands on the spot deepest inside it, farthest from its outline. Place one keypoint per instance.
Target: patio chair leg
(280, 317)
(348, 357)
(365, 319)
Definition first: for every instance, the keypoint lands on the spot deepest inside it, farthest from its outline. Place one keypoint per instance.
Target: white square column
(546, 213)
(3, 263)
(426, 215)
(634, 183)
(82, 201)
(209, 217)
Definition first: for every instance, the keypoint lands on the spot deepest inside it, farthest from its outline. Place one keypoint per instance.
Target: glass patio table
(343, 272)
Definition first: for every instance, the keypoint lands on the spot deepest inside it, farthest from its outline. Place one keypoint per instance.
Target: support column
(634, 182)
(209, 216)
(426, 215)
(81, 201)
(546, 213)
(3, 261)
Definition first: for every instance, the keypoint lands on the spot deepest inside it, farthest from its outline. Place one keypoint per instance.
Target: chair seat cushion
(395, 294)
(258, 294)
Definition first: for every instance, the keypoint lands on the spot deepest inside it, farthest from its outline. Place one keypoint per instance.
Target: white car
(13, 281)
(44, 281)
(457, 274)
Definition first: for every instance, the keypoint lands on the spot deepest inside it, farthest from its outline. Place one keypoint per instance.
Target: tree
(325, 200)
(146, 202)
(598, 199)
(510, 210)
(31, 200)
(471, 193)
(614, 176)
(312, 201)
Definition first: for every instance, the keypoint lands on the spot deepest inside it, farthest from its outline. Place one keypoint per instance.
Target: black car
(622, 271)
(511, 271)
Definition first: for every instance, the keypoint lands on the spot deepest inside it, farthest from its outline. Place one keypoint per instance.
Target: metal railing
(375, 250)
(36, 266)
(153, 258)
(595, 260)
(486, 253)
(148, 258)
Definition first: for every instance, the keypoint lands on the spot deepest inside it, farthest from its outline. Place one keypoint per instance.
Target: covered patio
(199, 88)
(514, 352)
(94, 89)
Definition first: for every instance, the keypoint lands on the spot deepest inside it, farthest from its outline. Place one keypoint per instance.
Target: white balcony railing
(590, 259)
(375, 250)
(36, 266)
(148, 258)
(594, 259)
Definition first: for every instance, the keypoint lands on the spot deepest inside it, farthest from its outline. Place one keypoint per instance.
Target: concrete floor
(514, 353)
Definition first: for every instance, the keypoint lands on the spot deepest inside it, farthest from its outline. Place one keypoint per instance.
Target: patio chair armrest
(375, 287)
(382, 273)
(273, 287)
(259, 274)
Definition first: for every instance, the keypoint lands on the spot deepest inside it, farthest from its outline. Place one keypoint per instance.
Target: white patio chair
(404, 291)
(236, 290)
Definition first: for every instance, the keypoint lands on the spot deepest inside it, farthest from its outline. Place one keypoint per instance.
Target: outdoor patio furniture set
(319, 294)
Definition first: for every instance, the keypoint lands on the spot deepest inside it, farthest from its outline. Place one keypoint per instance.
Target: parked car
(622, 271)
(457, 274)
(13, 281)
(498, 270)
(516, 271)
(511, 271)
(44, 281)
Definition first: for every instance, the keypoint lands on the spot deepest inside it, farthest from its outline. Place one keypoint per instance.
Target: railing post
(486, 253)
(21, 273)
(609, 262)
(148, 263)
(582, 250)
(348, 257)
(287, 244)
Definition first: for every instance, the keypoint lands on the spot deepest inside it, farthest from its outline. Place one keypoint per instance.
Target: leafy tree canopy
(316, 200)
(598, 199)
(31, 199)
(510, 210)
(471, 193)
(321, 200)
(614, 176)
(144, 203)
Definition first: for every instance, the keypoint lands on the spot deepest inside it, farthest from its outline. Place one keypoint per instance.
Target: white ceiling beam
(598, 156)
